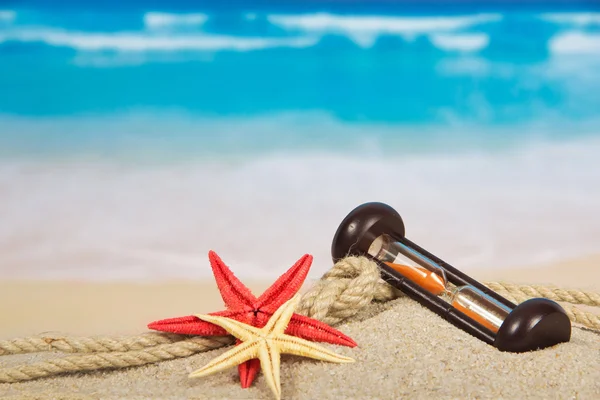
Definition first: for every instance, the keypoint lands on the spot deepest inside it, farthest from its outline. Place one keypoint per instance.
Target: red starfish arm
(192, 325)
(248, 371)
(317, 331)
(234, 293)
(286, 286)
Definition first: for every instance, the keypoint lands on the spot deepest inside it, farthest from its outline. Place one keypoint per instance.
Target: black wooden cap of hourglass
(533, 324)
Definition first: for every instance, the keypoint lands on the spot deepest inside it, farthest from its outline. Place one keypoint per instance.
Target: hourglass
(376, 231)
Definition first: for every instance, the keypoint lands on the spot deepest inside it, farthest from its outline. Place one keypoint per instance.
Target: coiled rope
(347, 288)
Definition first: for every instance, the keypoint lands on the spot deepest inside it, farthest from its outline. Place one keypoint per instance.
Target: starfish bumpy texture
(267, 344)
(244, 307)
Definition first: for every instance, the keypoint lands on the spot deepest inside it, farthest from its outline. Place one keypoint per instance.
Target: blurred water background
(136, 136)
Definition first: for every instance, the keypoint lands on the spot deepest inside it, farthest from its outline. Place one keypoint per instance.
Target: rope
(118, 359)
(344, 290)
(575, 314)
(552, 293)
(85, 344)
(351, 285)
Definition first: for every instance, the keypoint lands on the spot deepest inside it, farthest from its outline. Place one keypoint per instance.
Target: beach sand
(403, 350)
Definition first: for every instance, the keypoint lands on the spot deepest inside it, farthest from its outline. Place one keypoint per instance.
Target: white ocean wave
(579, 19)
(364, 30)
(7, 16)
(165, 42)
(461, 42)
(158, 20)
(331, 23)
(575, 43)
(139, 42)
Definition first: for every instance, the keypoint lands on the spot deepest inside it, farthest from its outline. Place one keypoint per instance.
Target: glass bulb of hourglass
(479, 306)
(430, 276)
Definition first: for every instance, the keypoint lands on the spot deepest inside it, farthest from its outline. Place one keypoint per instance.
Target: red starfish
(243, 306)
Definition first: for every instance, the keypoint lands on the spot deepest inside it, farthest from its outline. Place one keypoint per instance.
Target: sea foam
(136, 41)
(324, 22)
(575, 19)
(170, 32)
(173, 42)
(97, 217)
(575, 42)
(158, 20)
(460, 42)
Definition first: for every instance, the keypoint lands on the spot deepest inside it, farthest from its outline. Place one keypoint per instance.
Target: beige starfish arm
(280, 319)
(270, 362)
(238, 354)
(300, 347)
(238, 329)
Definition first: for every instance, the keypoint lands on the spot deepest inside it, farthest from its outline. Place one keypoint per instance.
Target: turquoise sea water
(135, 138)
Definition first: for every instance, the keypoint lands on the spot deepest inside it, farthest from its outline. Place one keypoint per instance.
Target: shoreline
(31, 307)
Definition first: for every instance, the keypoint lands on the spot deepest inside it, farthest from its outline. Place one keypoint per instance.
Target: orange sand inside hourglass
(425, 278)
(477, 317)
(434, 283)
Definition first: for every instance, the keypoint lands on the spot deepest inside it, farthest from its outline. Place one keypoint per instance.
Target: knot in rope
(347, 288)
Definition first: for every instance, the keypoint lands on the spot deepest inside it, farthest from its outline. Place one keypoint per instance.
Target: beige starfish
(267, 344)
